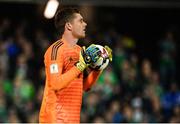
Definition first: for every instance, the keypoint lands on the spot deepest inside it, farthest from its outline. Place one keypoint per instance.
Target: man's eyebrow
(81, 19)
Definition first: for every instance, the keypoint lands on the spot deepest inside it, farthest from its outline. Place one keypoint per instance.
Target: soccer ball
(103, 61)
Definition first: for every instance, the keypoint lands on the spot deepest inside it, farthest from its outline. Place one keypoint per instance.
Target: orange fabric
(64, 85)
(91, 79)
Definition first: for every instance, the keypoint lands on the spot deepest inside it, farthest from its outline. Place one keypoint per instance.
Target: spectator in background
(129, 44)
(3, 61)
(167, 59)
(119, 57)
(175, 115)
(170, 102)
(13, 116)
(3, 110)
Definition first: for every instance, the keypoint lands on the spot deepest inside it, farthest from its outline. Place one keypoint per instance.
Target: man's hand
(84, 60)
(88, 56)
(93, 52)
(109, 50)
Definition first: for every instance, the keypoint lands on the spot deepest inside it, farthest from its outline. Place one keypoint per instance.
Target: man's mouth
(84, 30)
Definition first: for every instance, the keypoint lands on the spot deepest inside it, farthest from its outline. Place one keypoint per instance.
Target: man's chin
(82, 36)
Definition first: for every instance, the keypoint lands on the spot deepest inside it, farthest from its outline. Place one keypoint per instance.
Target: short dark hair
(63, 16)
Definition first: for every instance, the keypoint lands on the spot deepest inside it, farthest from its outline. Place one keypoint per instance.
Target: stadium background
(142, 83)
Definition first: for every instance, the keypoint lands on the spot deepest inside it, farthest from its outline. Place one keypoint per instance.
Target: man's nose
(85, 23)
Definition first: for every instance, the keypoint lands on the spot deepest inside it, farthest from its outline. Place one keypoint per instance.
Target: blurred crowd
(129, 90)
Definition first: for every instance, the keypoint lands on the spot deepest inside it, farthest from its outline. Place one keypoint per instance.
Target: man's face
(78, 26)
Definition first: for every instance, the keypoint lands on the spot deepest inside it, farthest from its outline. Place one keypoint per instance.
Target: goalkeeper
(65, 64)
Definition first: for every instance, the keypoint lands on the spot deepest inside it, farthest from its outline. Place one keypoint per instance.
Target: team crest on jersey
(54, 68)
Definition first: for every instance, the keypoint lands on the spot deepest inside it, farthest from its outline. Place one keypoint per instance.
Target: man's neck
(70, 39)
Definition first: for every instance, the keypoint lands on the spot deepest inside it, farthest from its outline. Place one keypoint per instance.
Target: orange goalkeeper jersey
(64, 84)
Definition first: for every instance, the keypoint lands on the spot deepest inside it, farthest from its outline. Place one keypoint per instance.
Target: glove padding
(88, 56)
(84, 60)
(93, 52)
(109, 50)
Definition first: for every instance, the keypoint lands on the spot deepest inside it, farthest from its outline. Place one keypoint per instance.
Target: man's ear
(68, 26)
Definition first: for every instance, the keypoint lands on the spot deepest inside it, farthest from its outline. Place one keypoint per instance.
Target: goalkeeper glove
(88, 56)
(93, 52)
(84, 60)
(109, 50)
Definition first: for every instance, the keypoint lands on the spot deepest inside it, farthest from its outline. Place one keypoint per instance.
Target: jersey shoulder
(53, 50)
(78, 47)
